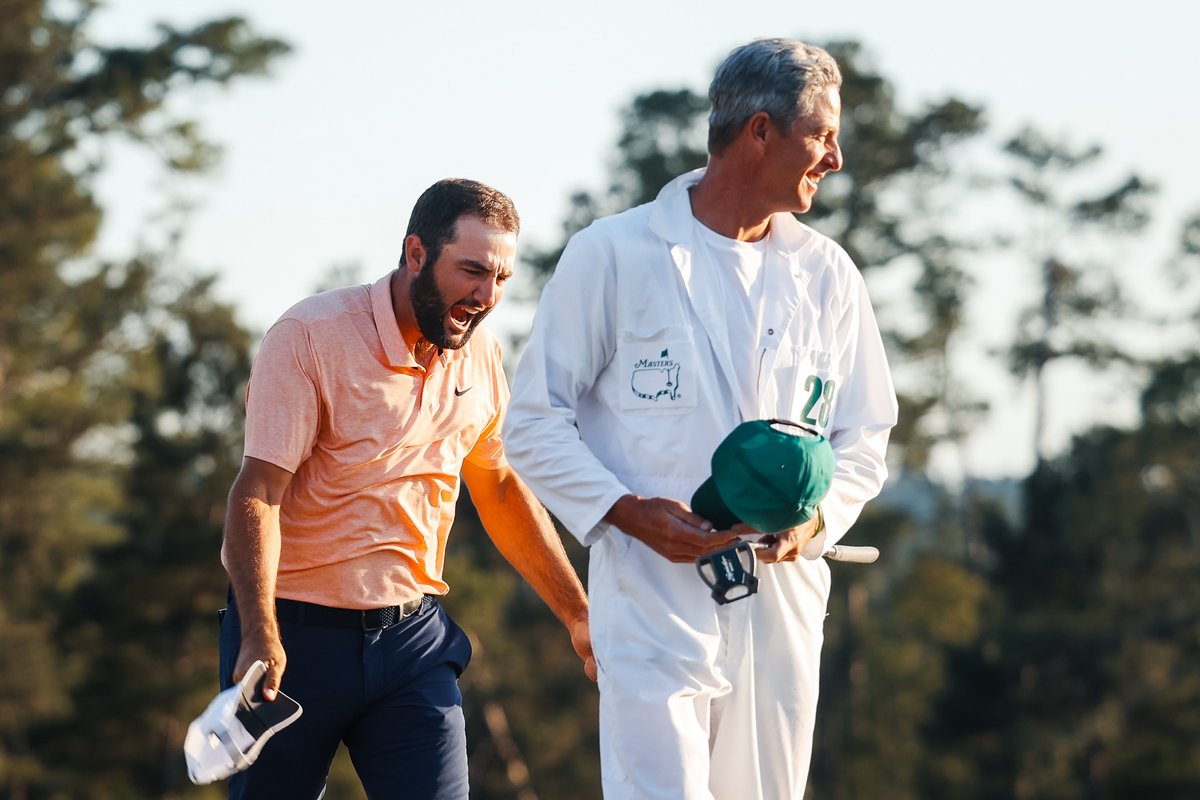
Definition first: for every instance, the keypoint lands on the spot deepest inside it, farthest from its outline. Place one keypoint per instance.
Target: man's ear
(758, 127)
(414, 253)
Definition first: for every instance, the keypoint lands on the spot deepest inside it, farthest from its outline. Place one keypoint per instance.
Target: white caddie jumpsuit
(626, 386)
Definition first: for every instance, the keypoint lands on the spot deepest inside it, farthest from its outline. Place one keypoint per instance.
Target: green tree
(890, 722)
(1101, 598)
(145, 620)
(1099, 588)
(70, 337)
(1076, 685)
(1078, 300)
(531, 712)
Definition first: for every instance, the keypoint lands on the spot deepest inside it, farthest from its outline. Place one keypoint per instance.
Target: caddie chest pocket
(656, 372)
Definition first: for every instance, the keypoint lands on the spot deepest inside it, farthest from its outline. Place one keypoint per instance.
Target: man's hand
(269, 650)
(581, 640)
(784, 545)
(668, 527)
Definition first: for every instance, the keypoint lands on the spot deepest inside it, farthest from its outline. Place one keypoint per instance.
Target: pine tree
(1078, 299)
(71, 330)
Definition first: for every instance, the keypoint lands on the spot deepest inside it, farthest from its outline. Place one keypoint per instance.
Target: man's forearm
(542, 562)
(250, 553)
(522, 531)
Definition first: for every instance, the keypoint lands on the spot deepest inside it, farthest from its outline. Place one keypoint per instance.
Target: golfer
(365, 405)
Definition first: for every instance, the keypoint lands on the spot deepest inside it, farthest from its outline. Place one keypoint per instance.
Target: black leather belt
(371, 619)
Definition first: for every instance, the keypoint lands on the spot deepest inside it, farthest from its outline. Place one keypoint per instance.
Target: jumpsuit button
(770, 331)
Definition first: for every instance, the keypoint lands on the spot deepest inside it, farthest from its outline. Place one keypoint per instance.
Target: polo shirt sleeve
(282, 398)
(488, 451)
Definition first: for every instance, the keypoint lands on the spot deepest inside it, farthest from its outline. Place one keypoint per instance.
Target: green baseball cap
(769, 474)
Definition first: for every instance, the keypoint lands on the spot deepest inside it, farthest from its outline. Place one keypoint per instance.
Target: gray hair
(779, 76)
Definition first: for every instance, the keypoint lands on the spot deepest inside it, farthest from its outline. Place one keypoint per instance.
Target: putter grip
(854, 555)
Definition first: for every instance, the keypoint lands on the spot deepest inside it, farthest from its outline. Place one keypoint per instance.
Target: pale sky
(323, 160)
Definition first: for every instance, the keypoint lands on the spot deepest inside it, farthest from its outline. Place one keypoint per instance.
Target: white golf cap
(232, 731)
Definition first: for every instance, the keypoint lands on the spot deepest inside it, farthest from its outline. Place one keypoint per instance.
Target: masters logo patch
(656, 378)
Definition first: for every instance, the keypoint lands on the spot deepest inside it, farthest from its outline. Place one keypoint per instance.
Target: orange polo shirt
(375, 443)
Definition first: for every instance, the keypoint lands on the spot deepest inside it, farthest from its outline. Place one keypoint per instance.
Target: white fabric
(740, 270)
(626, 386)
(217, 744)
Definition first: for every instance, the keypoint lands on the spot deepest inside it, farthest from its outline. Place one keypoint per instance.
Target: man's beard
(430, 308)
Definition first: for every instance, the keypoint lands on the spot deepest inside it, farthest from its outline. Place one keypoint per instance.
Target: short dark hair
(779, 76)
(439, 208)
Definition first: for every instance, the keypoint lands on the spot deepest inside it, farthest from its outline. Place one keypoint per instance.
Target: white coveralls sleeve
(572, 341)
(866, 412)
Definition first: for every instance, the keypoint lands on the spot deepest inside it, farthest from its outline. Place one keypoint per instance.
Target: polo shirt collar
(397, 352)
(394, 347)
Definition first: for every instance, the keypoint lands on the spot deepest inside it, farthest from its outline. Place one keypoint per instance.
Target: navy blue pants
(390, 695)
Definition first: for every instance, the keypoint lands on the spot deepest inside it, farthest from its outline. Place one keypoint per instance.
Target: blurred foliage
(525, 668)
(1039, 649)
(119, 421)
(1079, 302)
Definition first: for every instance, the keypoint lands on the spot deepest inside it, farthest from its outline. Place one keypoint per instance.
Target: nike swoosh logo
(461, 392)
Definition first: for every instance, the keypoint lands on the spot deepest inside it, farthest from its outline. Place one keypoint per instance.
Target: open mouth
(460, 317)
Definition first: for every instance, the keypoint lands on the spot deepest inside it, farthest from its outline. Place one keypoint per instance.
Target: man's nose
(833, 156)
(487, 292)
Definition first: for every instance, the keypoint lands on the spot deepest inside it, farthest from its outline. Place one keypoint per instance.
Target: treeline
(1043, 648)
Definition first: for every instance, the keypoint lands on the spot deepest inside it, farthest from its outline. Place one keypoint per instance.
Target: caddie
(663, 328)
